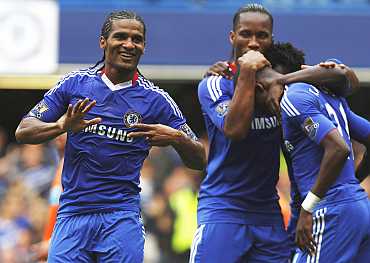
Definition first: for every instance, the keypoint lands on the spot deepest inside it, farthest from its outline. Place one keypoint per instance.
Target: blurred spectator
(34, 170)
(22, 216)
(41, 248)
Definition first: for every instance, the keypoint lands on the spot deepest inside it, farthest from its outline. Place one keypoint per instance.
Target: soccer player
(112, 116)
(239, 218)
(317, 128)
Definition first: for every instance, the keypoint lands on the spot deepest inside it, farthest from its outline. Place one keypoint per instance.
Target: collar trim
(121, 85)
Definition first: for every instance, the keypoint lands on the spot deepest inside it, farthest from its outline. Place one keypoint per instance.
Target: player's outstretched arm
(34, 131)
(338, 78)
(336, 152)
(191, 151)
(241, 108)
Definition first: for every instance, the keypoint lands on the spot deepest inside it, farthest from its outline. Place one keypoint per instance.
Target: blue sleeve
(55, 102)
(214, 99)
(302, 109)
(169, 112)
(359, 127)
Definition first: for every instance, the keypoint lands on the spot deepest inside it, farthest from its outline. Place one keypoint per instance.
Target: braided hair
(107, 28)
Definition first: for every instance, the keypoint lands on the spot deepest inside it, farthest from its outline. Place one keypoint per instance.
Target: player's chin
(127, 66)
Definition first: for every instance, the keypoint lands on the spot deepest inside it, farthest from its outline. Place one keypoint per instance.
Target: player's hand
(73, 119)
(303, 238)
(156, 134)
(325, 64)
(253, 60)
(220, 68)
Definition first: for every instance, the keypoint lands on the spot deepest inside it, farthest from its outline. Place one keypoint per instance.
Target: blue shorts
(342, 233)
(228, 242)
(99, 237)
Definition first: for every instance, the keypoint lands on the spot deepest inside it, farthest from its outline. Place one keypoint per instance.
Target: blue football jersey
(101, 164)
(308, 115)
(241, 177)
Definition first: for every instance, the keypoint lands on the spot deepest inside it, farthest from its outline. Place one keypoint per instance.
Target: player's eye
(120, 36)
(246, 34)
(262, 35)
(137, 39)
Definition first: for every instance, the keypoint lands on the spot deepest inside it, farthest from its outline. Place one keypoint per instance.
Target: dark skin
(251, 36)
(336, 152)
(123, 48)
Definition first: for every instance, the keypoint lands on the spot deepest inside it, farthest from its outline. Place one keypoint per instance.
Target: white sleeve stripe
(291, 106)
(286, 108)
(218, 80)
(214, 87)
(171, 102)
(67, 77)
(210, 91)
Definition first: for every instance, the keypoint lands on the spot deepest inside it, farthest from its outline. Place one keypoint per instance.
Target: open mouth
(127, 55)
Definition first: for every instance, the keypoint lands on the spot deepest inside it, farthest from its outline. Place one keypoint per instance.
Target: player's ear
(232, 37)
(102, 42)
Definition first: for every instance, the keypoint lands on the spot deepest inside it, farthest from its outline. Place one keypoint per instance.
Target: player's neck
(118, 76)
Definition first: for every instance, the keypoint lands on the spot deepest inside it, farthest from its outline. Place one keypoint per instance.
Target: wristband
(310, 202)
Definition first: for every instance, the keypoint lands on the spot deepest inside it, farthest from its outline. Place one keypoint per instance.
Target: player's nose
(128, 43)
(253, 44)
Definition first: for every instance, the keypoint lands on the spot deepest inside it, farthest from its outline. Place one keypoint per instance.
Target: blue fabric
(342, 233)
(239, 187)
(100, 237)
(308, 115)
(101, 164)
(237, 243)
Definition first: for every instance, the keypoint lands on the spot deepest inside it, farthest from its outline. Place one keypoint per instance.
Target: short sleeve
(55, 102)
(302, 109)
(214, 97)
(169, 113)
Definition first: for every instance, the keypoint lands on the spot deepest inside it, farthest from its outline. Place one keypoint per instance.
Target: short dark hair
(125, 14)
(253, 8)
(286, 56)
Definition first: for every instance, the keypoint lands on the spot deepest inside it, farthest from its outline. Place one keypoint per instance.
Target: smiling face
(252, 32)
(124, 45)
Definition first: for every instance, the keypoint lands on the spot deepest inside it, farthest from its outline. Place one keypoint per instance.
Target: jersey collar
(121, 85)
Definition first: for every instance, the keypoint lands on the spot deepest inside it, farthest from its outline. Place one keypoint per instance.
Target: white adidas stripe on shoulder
(83, 72)
(288, 107)
(214, 88)
(146, 84)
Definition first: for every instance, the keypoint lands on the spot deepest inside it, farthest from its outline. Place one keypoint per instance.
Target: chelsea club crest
(131, 118)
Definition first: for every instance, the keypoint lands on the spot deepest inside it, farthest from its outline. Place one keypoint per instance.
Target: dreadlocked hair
(286, 56)
(107, 27)
(252, 8)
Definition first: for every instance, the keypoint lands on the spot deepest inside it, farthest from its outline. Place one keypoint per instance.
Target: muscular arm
(241, 108)
(238, 119)
(336, 78)
(335, 153)
(33, 131)
(191, 151)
